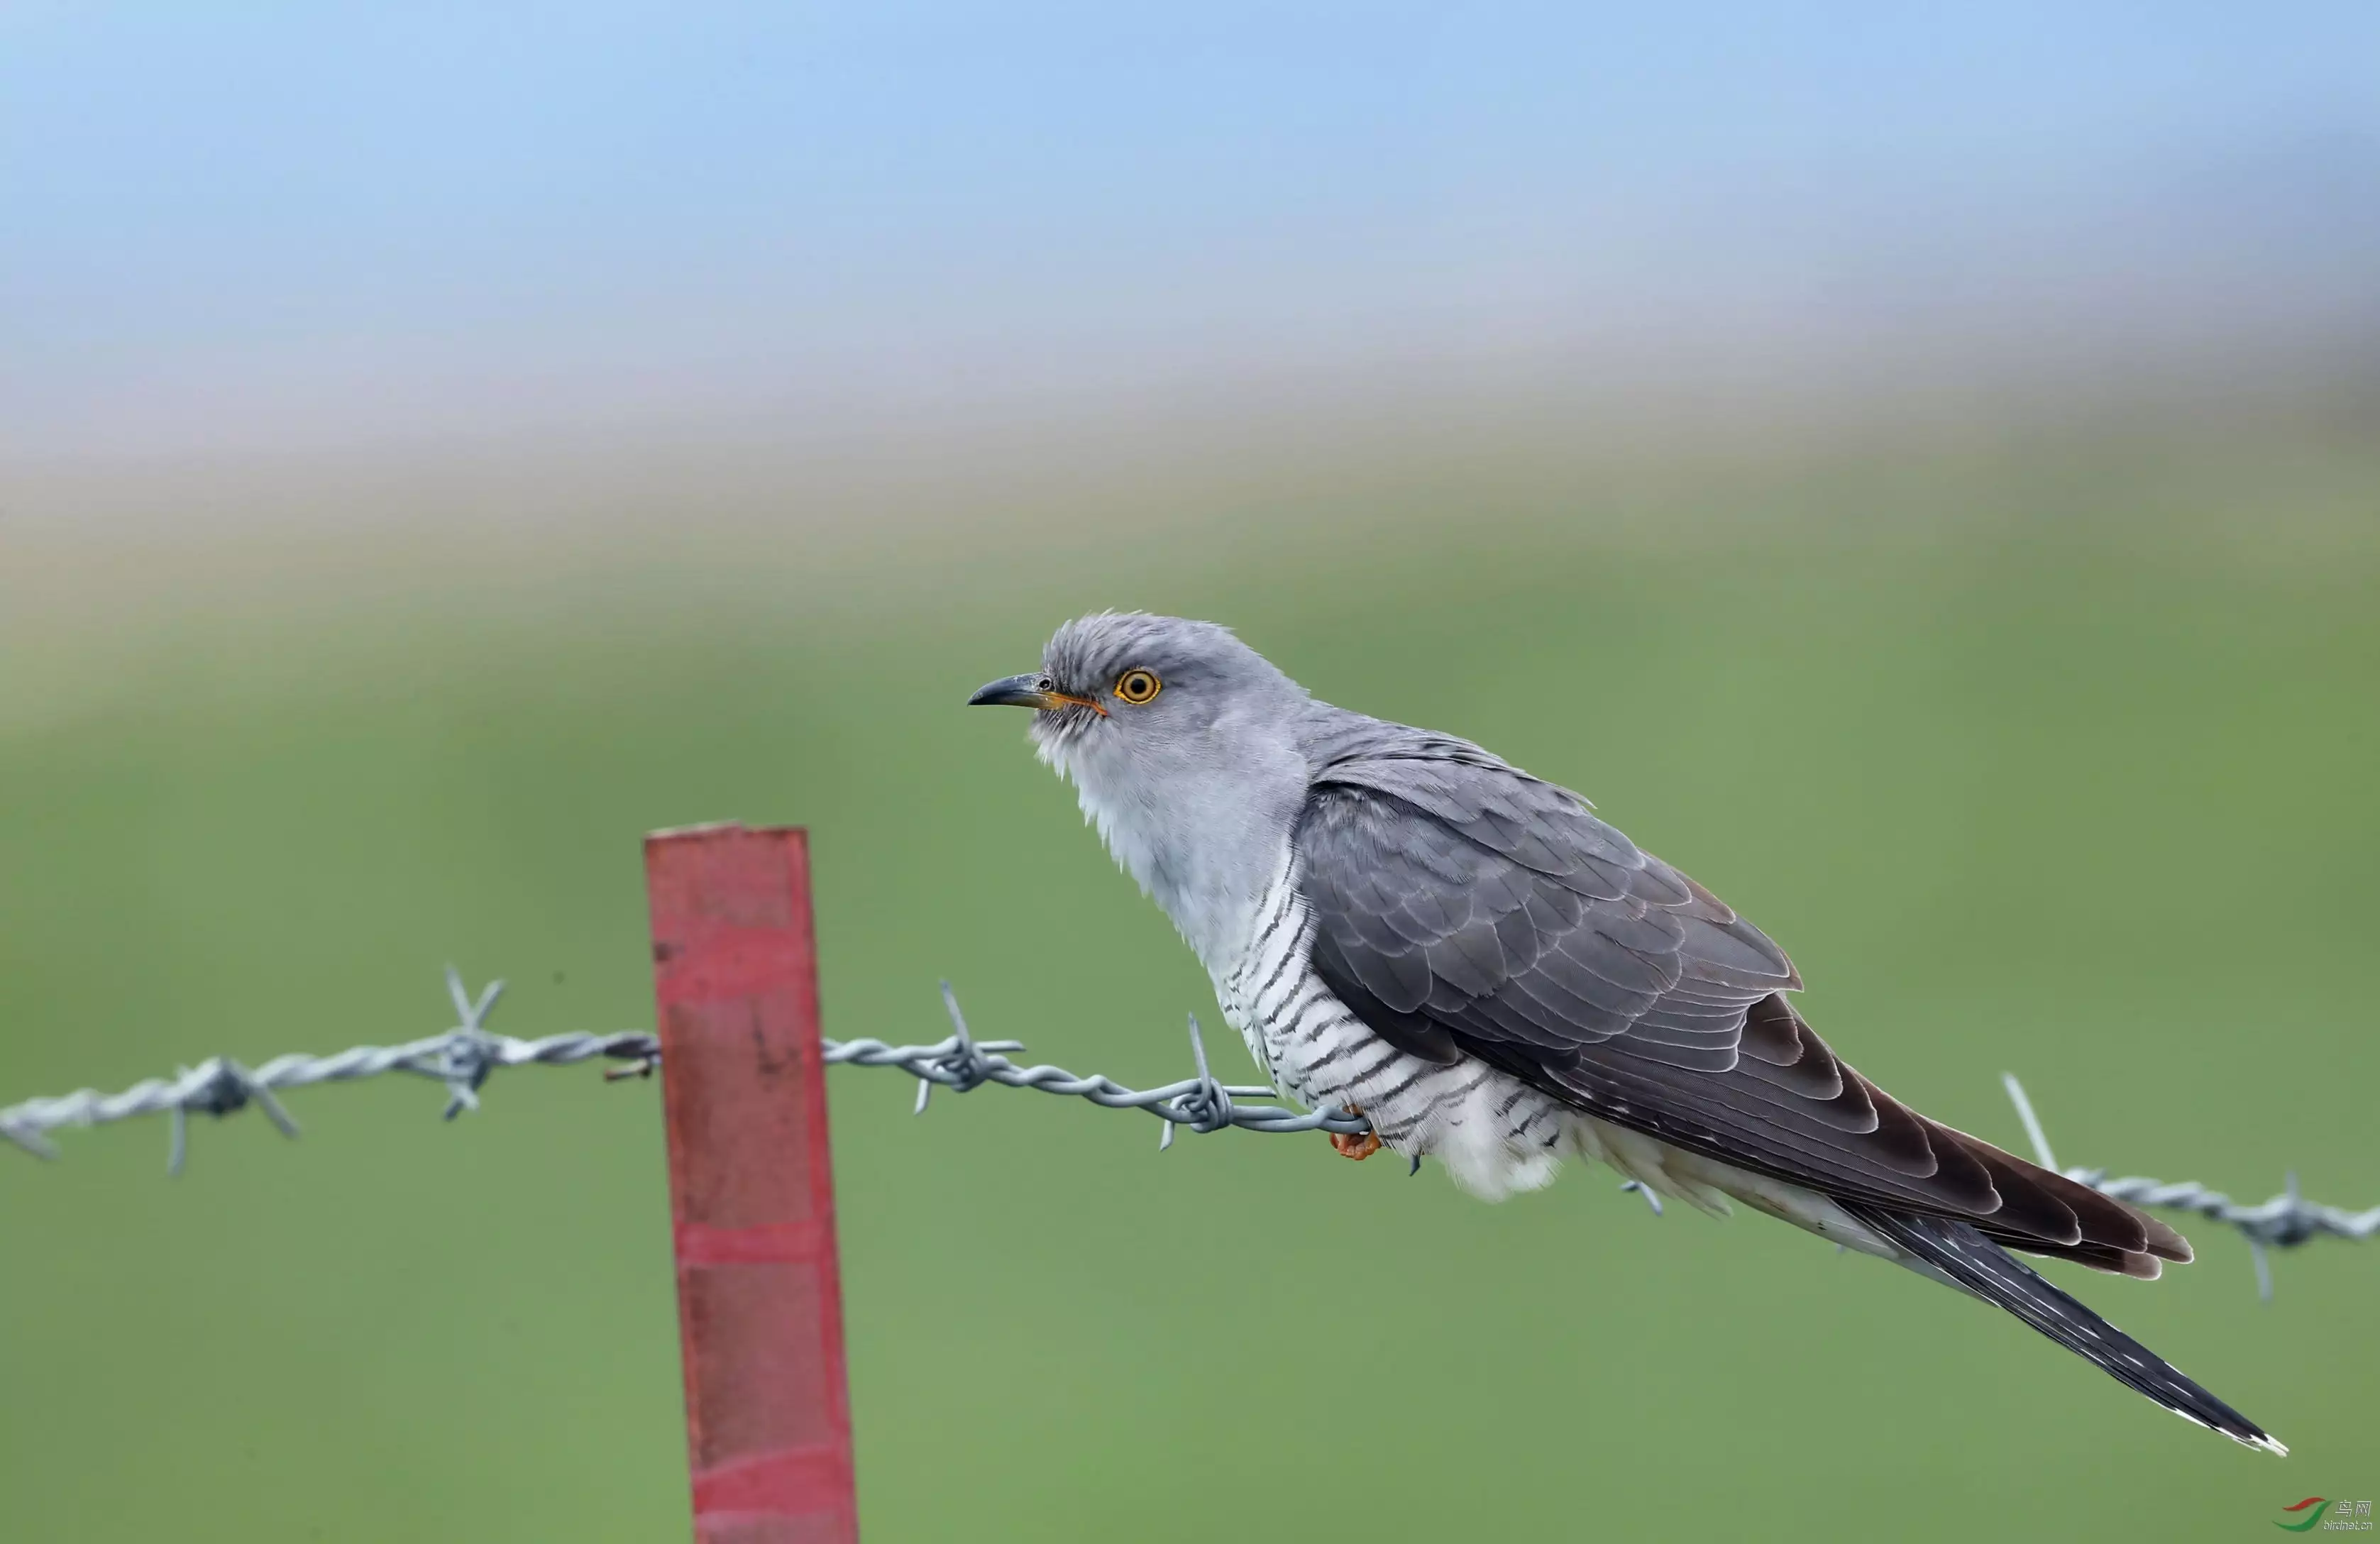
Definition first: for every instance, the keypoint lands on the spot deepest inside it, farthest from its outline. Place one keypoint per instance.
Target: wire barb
(2032, 1132)
(470, 1052)
(964, 1062)
(27, 1140)
(1205, 1108)
(218, 1087)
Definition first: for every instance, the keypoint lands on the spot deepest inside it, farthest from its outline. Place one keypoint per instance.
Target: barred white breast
(1495, 1134)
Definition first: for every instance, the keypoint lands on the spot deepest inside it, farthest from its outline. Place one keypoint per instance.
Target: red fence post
(760, 1294)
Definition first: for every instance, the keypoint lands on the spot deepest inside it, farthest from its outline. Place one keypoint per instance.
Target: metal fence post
(751, 1193)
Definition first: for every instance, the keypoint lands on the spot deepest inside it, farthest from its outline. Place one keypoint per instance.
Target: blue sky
(241, 226)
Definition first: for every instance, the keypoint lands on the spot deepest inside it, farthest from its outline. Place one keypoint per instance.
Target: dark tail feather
(1972, 1261)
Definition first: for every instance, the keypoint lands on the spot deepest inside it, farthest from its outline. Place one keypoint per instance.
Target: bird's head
(1176, 734)
(1153, 689)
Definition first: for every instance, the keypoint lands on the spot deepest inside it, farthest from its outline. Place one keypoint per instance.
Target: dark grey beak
(1028, 691)
(1013, 691)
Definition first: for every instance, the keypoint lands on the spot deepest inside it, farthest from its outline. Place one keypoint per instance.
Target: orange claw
(1346, 1143)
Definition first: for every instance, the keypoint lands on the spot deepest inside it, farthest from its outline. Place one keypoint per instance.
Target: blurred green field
(2056, 756)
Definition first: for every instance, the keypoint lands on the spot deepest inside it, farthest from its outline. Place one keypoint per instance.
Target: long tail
(1959, 1253)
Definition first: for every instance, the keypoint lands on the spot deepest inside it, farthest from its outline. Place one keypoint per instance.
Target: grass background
(2053, 752)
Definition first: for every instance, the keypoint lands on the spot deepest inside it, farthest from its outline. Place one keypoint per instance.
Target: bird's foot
(1358, 1146)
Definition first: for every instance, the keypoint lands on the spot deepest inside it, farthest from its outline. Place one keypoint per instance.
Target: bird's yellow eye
(1136, 686)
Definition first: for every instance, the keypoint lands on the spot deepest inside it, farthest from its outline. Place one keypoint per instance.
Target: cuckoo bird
(1400, 923)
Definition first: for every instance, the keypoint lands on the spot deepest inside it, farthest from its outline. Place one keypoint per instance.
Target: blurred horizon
(283, 231)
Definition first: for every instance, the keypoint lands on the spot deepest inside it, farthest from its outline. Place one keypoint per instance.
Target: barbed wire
(2283, 1222)
(464, 1056)
(461, 1058)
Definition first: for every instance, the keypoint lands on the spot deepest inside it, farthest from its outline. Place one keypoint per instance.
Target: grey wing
(1466, 909)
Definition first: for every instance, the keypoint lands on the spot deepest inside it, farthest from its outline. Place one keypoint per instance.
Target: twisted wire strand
(2285, 1221)
(463, 1057)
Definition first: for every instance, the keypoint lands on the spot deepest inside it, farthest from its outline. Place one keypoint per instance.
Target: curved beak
(1026, 691)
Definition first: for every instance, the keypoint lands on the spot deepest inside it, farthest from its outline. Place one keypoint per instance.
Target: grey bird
(1400, 924)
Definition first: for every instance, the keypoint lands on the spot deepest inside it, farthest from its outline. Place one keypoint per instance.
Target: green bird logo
(2312, 1507)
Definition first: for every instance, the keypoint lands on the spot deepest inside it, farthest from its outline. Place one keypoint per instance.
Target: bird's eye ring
(1136, 686)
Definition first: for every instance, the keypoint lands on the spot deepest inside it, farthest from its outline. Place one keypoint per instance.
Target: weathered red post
(768, 1413)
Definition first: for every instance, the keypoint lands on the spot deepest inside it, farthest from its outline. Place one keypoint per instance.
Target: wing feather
(1463, 908)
